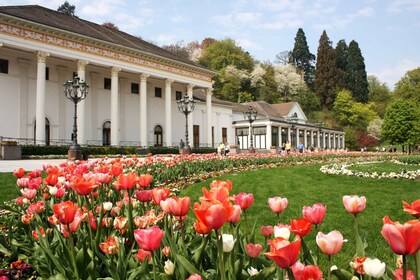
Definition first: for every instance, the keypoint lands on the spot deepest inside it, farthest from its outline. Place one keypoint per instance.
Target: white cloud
(166, 39)
(248, 44)
(344, 21)
(391, 75)
(279, 5)
(178, 18)
(404, 5)
(235, 18)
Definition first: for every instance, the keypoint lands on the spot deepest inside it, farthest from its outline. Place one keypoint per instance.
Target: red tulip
(253, 250)
(331, 243)
(266, 231)
(315, 214)
(65, 211)
(354, 204)
(244, 200)
(149, 239)
(52, 179)
(144, 196)
(403, 239)
(277, 204)
(413, 209)
(126, 181)
(302, 272)
(142, 254)
(84, 186)
(300, 226)
(283, 252)
(159, 194)
(19, 173)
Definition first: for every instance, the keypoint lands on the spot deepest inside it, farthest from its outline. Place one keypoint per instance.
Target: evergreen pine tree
(302, 59)
(326, 69)
(341, 58)
(67, 9)
(356, 72)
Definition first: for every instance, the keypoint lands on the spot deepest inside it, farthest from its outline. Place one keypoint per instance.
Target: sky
(387, 31)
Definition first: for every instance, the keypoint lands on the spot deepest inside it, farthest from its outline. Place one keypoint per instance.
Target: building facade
(133, 90)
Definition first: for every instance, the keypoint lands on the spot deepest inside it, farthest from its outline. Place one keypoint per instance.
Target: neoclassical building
(133, 91)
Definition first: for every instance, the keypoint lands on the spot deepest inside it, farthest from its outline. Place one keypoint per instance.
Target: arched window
(106, 133)
(47, 132)
(158, 136)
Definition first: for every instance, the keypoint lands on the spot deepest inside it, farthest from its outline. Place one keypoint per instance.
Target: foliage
(302, 58)
(351, 138)
(356, 71)
(110, 25)
(379, 95)
(374, 128)
(408, 88)
(326, 69)
(67, 9)
(289, 82)
(232, 80)
(401, 124)
(308, 101)
(365, 140)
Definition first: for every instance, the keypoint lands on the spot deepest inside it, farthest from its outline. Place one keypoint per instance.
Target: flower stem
(329, 268)
(220, 256)
(417, 264)
(404, 267)
(154, 264)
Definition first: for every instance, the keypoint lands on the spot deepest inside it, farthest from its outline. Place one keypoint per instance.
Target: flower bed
(121, 219)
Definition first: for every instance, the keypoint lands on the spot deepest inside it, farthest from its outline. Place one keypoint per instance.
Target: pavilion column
(62, 77)
(168, 113)
(305, 138)
(40, 97)
(268, 136)
(343, 143)
(208, 116)
(190, 117)
(312, 138)
(115, 126)
(81, 106)
(143, 110)
(289, 134)
(23, 97)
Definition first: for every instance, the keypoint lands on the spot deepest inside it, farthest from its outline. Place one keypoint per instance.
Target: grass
(386, 167)
(7, 187)
(305, 185)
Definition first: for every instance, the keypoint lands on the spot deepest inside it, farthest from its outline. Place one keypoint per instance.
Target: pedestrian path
(27, 164)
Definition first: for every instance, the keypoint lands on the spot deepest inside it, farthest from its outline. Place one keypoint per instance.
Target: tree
(374, 128)
(177, 49)
(110, 25)
(341, 58)
(267, 91)
(232, 80)
(379, 95)
(408, 88)
(302, 58)
(67, 9)
(326, 69)
(356, 71)
(283, 57)
(402, 123)
(289, 82)
(342, 108)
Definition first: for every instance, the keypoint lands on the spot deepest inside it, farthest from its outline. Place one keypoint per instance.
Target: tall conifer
(357, 76)
(326, 70)
(302, 58)
(341, 58)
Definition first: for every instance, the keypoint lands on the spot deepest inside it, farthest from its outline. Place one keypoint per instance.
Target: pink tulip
(194, 277)
(253, 250)
(236, 215)
(315, 214)
(331, 243)
(149, 239)
(244, 200)
(277, 204)
(403, 239)
(354, 204)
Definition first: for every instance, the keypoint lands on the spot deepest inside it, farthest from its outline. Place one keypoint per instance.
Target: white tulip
(228, 242)
(53, 190)
(252, 271)
(281, 232)
(169, 267)
(374, 268)
(107, 206)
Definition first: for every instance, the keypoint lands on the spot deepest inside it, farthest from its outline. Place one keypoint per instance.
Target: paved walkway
(27, 164)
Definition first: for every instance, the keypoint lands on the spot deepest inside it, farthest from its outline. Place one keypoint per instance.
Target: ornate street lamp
(292, 122)
(186, 106)
(75, 90)
(251, 116)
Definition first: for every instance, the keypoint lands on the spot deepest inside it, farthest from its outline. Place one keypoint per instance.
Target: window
(107, 83)
(134, 88)
(158, 92)
(106, 133)
(275, 136)
(158, 135)
(4, 66)
(47, 73)
(178, 95)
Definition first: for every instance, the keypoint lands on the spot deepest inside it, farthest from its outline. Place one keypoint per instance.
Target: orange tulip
(159, 194)
(300, 226)
(19, 173)
(212, 214)
(110, 246)
(84, 186)
(413, 209)
(126, 181)
(283, 252)
(403, 239)
(65, 211)
(179, 205)
(145, 180)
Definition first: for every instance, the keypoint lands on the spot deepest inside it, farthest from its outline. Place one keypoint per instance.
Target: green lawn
(7, 187)
(386, 167)
(306, 185)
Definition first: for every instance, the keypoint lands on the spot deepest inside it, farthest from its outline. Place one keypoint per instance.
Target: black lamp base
(74, 153)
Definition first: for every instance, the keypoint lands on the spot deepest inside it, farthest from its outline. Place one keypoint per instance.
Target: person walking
(300, 147)
(181, 146)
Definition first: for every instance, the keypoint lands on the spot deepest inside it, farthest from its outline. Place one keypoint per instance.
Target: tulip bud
(282, 231)
(228, 242)
(169, 267)
(252, 271)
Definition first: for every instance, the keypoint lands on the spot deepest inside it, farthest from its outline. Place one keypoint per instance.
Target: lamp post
(292, 122)
(251, 116)
(186, 106)
(75, 90)
(319, 125)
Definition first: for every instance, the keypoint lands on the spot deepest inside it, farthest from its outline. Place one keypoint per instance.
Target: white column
(168, 112)
(143, 110)
(305, 138)
(96, 125)
(23, 98)
(312, 138)
(190, 118)
(62, 101)
(268, 136)
(115, 126)
(208, 116)
(343, 143)
(318, 144)
(81, 106)
(40, 97)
